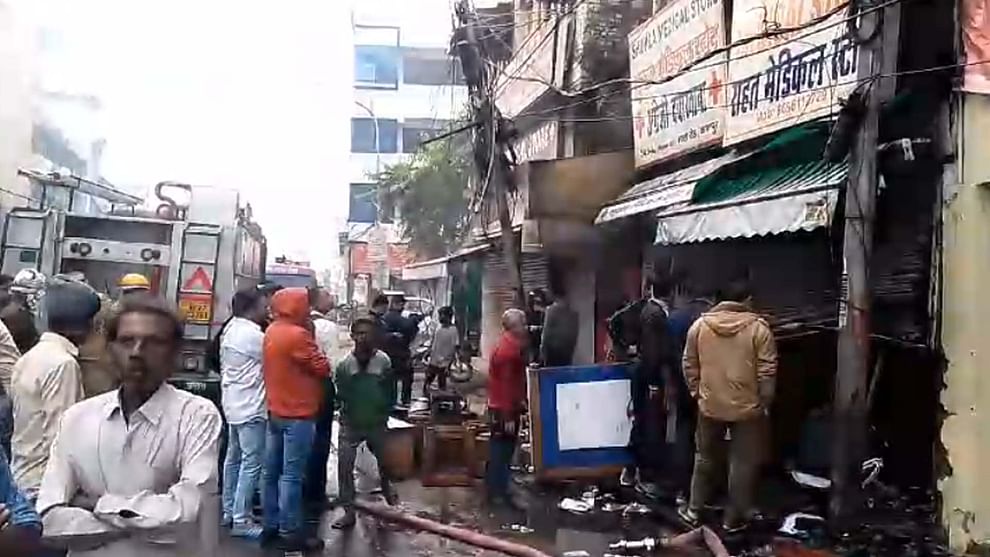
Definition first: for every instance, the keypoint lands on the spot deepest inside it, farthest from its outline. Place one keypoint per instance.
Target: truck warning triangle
(199, 281)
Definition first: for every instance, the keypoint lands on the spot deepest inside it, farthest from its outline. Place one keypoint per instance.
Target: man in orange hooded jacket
(294, 370)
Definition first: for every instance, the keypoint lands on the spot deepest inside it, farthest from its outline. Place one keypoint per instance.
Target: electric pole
(494, 170)
(877, 65)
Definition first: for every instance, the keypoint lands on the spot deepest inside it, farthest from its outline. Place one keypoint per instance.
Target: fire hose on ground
(469, 537)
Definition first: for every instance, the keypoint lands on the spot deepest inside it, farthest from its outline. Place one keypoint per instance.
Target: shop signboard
(683, 110)
(778, 82)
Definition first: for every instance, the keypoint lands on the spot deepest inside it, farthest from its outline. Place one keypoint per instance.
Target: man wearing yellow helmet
(133, 283)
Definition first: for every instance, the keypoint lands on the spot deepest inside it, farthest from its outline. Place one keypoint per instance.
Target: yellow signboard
(196, 308)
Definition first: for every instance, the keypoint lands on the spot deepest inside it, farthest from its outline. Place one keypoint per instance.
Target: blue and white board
(580, 421)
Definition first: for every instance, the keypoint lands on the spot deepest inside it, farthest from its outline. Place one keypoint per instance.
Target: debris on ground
(579, 506)
(518, 528)
(576, 553)
(648, 544)
(636, 508)
(801, 525)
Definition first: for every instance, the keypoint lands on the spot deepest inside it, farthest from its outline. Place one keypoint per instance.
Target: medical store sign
(777, 82)
(678, 86)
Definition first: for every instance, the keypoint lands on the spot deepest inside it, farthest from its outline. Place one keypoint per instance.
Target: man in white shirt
(47, 380)
(327, 338)
(243, 396)
(133, 472)
(9, 354)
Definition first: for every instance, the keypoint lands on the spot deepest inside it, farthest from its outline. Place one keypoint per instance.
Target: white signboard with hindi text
(778, 82)
(682, 111)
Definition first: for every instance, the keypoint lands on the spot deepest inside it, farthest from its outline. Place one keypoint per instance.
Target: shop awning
(668, 190)
(437, 268)
(781, 199)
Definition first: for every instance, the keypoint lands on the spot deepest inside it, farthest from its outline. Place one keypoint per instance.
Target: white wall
(16, 92)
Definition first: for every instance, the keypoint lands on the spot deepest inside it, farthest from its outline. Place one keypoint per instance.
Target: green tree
(430, 191)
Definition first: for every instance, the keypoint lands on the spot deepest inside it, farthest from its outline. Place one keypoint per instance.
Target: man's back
(240, 371)
(730, 361)
(560, 333)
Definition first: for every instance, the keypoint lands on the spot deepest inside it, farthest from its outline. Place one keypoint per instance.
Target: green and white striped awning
(785, 198)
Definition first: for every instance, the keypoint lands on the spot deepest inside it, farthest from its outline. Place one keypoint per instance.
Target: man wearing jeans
(294, 369)
(243, 388)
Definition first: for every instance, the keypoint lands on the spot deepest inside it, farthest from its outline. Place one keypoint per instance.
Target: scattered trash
(590, 496)
(636, 508)
(613, 507)
(579, 506)
(811, 480)
(649, 544)
(576, 553)
(871, 469)
(800, 525)
(518, 528)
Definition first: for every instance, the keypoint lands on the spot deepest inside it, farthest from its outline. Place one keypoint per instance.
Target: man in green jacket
(365, 393)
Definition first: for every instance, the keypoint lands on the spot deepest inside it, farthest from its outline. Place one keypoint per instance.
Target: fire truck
(196, 244)
(288, 273)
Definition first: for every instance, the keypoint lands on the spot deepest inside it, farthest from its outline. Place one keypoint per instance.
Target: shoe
(268, 537)
(247, 531)
(627, 478)
(345, 522)
(304, 544)
(689, 516)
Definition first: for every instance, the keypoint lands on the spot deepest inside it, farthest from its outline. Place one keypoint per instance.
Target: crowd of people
(703, 382)
(701, 393)
(133, 468)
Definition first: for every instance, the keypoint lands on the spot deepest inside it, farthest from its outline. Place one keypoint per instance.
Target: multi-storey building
(407, 88)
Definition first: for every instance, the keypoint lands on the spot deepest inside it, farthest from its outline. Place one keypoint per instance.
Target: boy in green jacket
(366, 395)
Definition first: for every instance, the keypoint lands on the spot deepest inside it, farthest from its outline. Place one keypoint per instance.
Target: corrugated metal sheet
(794, 276)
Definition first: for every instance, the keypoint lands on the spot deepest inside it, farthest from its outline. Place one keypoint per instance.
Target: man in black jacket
(650, 388)
(399, 334)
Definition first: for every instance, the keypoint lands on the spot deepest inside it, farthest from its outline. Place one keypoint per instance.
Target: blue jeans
(290, 442)
(242, 468)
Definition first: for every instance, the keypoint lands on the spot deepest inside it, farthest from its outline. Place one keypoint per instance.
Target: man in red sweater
(506, 400)
(294, 369)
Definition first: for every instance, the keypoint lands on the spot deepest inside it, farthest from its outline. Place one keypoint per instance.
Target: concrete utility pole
(494, 171)
(877, 64)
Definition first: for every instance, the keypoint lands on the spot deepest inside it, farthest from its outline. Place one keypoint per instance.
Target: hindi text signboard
(778, 82)
(683, 113)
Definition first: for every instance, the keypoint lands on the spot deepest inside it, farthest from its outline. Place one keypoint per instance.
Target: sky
(249, 94)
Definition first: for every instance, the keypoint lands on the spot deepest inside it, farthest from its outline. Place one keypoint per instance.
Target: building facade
(407, 88)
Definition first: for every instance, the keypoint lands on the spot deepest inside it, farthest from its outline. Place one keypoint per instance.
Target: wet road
(553, 531)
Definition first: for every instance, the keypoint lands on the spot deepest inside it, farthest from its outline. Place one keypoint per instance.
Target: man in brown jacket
(730, 365)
